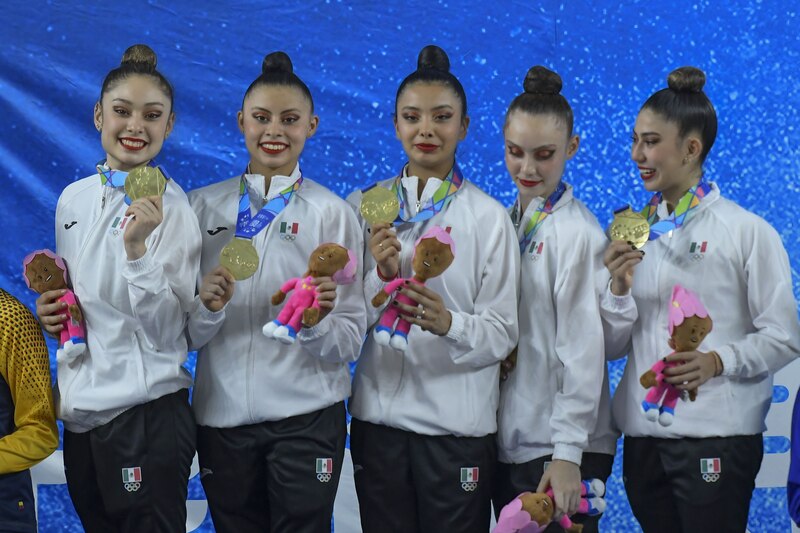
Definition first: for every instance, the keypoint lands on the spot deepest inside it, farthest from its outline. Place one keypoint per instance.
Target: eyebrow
(259, 108)
(536, 148)
(647, 133)
(437, 108)
(124, 101)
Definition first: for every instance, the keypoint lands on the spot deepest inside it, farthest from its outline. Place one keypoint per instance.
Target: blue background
(611, 55)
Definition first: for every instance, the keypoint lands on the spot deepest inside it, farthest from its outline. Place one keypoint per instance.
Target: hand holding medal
(629, 231)
(216, 290)
(146, 214)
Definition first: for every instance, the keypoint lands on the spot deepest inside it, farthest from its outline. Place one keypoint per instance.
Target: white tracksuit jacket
(242, 376)
(556, 401)
(135, 311)
(446, 385)
(735, 262)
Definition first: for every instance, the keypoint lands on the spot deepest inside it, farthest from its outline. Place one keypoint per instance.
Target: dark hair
(433, 66)
(685, 103)
(542, 96)
(137, 59)
(276, 69)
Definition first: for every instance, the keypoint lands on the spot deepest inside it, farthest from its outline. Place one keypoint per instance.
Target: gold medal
(629, 226)
(240, 257)
(379, 205)
(145, 181)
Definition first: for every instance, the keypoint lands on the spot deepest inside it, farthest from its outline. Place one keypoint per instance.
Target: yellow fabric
(25, 366)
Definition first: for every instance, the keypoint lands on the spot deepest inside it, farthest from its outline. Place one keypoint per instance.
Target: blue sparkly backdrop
(611, 55)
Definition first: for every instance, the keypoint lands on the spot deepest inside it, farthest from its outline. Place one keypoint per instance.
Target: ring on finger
(380, 245)
(422, 314)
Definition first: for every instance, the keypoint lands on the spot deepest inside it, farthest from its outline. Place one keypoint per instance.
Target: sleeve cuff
(206, 315)
(617, 303)
(314, 332)
(141, 265)
(456, 331)
(567, 452)
(728, 358)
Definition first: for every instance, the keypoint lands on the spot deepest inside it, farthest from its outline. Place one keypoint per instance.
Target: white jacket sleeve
(161, 283)
(617, 314)
(775, 339)
(338, 337)
(202, 324)
(579, 346)
(488, 334)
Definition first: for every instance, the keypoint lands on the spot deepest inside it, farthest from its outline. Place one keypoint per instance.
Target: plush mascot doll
(689, 324)
(45, 271)
(303, 308)
(532, 512)
(433, 253)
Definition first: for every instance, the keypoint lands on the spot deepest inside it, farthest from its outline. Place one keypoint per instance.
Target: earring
(686, 160)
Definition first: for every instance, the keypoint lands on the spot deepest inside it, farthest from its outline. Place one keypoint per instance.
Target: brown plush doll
(433, 253)
(532, 512)
(327, 259)
(45, 271)
(689, 323)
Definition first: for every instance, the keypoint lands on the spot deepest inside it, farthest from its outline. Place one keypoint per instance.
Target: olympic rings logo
(324, 478)
(132, 487)
(710, 478)
(697, 257)
(470, 486)
(288, 237)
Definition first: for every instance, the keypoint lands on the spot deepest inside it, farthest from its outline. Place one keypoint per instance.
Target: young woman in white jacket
(554, 423)
(697, 473)
(271, 416)
(128, 429)
(424, 418)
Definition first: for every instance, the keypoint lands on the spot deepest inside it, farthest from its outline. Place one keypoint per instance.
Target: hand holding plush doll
(689, 324)
(433, 254)
(45, 271)
(303, 308)
(532, 512)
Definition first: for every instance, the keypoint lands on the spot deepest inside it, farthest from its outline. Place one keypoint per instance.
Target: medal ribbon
(247, 225)
(438, 202)
(116, 178)
(682, 213)
(538, 217)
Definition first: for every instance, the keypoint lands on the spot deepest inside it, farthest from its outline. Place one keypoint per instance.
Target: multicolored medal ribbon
(147, 181)
(443, 195)
(683, 210)
(538, 217)
(240, 256)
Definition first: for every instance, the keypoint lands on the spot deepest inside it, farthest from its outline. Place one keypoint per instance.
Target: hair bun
(140, 54)
(541, 80)
(434, 58)
(276, 62)
(686, 79)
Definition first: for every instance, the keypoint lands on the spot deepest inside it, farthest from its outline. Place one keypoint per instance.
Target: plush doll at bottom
(433, 253)
(45, 271)
(689, 324)
(327, 259)
(532, 512)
